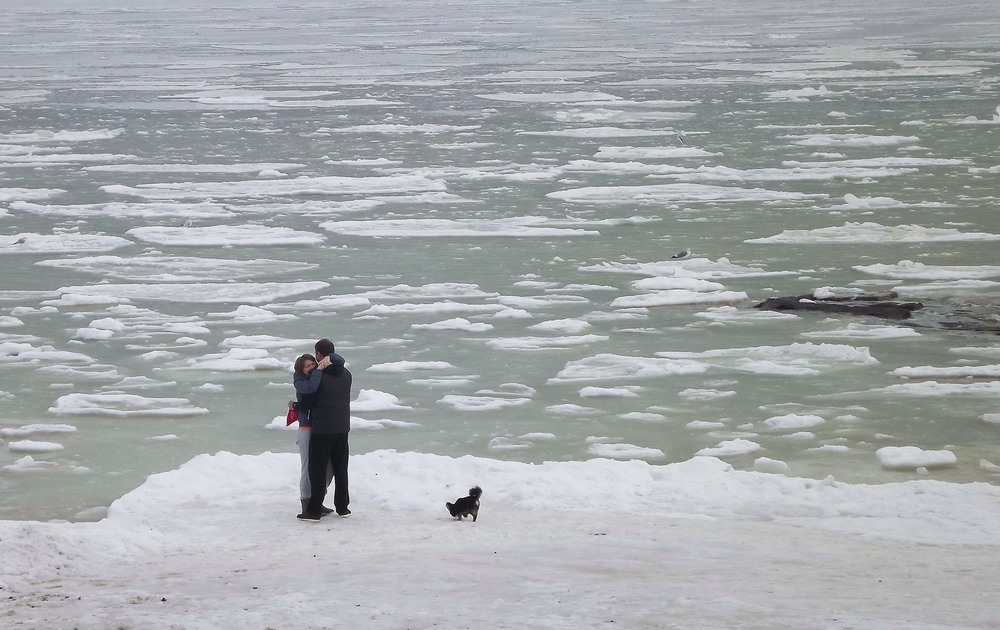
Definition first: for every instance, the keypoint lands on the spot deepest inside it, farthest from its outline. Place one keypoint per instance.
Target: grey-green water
(809, 117)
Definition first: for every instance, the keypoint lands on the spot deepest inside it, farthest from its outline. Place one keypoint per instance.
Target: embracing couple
(323, 393)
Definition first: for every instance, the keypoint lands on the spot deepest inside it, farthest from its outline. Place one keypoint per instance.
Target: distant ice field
(536, 232)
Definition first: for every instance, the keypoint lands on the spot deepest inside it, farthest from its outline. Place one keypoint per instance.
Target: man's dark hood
(336, 367)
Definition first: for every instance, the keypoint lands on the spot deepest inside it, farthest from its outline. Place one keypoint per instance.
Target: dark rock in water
(874, 305)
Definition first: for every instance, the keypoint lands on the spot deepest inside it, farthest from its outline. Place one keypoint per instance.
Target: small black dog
(466, 506)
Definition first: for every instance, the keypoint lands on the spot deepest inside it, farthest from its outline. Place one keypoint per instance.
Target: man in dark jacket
(331, 422)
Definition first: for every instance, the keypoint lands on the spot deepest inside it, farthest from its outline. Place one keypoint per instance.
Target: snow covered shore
(593, 544)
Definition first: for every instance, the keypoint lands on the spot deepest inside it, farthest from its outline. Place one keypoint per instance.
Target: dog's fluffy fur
(466, 506)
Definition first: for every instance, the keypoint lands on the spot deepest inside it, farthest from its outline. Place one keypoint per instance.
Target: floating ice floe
(72, 300)
(123, 405)
(944, 287)
(457, 323)
(616, 113)
(207, 292)
(431, 290)
(863, 331)
(540, 301)
(676, 297)
(853, 202)
(536, 76)
(326, 304)
(21, 352)
(800, 171)
(376, 425)
(624, 451)
(176, 268)
(395, 129)
(502, 443)
(793, 421)
(569, 409)
(180, 343)
(138, 382)
(338, 103)
(60, 157)
(602, 132)
(160, 211)
(449, 382)
(552, 97)
(612, 366)
(92, 334)
(540, 436)
(543, 343)
(44, 135)
(687, 268)
(237, 360)
(768, 465)
(898, 69)
(964, 371)
(253, 167)
(510, 389)
(643, 416)
(914, 458)
(369, 400)
(905, 162)
(733, 315)
(29, 464)
(907, 270)
(33, 446)
(650, 153)
(850, 140)
(705, 394)
(26, 243)
(676, 282)
(398, 228)
(626, 391)
(331, 185)
(655, 194)
(874, 233)
(797, 359)
(248, 96)
(730, 448)
(396, 367)
(12, 97)
(933, 389)
(802, 94)
(22, 194)
(264, 341)
(436, 308)
(571, 326)
(481, 403)
(35, 429)
(226, 236)
(169, 437)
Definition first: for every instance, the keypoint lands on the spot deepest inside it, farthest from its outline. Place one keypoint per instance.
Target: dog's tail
(475, 491)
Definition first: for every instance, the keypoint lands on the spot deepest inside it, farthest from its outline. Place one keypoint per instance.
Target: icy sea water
(479, 203)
